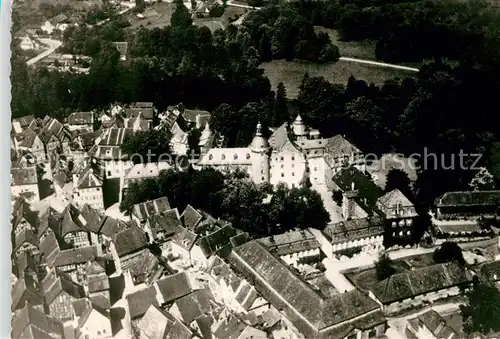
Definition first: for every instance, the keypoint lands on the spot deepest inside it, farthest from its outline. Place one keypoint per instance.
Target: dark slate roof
(23, 176)
(469, 198)
(57, 282)
(72, 221)
(43, 324)
(140, 301)
(111, 227)
(212, 242)
(320, 311)
(94, 219)
(195, 304)
(409, 284)
(167, 222)
(130, 240)
(24, 291)
(191, 217)
(363, 183)
(174, 287)
(158, 324)
(145, 209)
(81, 118)
(354, 229)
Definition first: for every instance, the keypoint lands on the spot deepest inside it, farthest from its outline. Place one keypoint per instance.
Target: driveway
(53, 45)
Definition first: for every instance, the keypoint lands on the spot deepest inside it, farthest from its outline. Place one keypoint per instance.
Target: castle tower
(260, 157)
(299, 128)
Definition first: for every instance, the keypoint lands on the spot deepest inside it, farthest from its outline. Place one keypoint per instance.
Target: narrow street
(53, 45)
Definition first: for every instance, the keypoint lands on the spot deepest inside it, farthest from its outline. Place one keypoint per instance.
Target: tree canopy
(449, 251)
(482, 313)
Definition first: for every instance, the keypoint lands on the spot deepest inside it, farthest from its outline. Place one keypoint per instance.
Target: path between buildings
(53, 45)
(231, 3)
(381, 64)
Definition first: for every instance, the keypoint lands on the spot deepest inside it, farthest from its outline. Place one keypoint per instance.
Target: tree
(483, 181)
(482, 312)
(280, 106)
(398, 179)
(181, 17)
(147, 146)
(384, 267)
(449, 251)
(338, 197)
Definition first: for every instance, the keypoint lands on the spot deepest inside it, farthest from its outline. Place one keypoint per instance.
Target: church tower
(260, 157)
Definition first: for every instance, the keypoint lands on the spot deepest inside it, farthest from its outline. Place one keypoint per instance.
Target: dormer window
(248, 155)
(223, 157)
(210, 157)
(236, 157)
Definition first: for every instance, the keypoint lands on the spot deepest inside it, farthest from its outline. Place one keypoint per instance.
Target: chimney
(198, 121)
(353, 186)
(440, 326)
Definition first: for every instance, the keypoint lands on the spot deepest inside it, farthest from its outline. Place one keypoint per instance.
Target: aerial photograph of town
(255, 169)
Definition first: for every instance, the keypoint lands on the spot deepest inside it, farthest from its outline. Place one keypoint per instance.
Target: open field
(292, 72)
(355, 49)
(365, 278)
(158, 17)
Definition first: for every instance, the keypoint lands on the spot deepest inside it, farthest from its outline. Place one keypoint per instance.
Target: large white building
(292, 154)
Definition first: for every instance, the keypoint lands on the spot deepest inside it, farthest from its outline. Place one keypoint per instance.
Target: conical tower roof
(259, 142)
(299, 127)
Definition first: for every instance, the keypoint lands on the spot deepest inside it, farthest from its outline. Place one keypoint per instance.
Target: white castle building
(290, 155)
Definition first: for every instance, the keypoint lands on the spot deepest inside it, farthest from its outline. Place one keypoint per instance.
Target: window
(109, 173)
(223, 157)
(236, 157)
(263, 179)
(293, 158)
(293, 165)
(352, 336)
(282, 166)
(248, 155)
(372, 334)
(282, 158)
(315, 168)
(210, 157)
(293, 174)
(282, 175)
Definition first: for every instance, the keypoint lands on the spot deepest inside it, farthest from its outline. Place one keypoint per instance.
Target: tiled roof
(158, 324)
(192, 114)
(228, 326)
(24, 121)
(219, 270)
(53, 128)
(409, 284)
(90, 178)
(435, 324)
(26, 236)
(79, 305)
(31, 317)
(111, 227)
(94, 219)
(167, 222)
(50, 248)
(338, 146)
(141, 266)
(82, 320)
(75, 256)
(469, 198)
(140, 301)
(72, 221)
(319, 311)
(363, 185)
(96, 267)
(227, 157)
(26, 138)
(24, 291)
(290, 242)
(184, 238)
(145, 209)
(191, 217)
(354, 229)
(174, 287)
(490, 271)
(114, 136)
(57, 282)
(132, 112)
(24, 176)
(130, 240)
(81, 118)
(149, 170)
(26, 261)
(279, 137)
(393, 198)
(212, 242)
(195, 304)
(142, 104)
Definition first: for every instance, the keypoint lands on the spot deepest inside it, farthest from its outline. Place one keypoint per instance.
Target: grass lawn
(355, 49)
(292, 72)
(161, 19)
